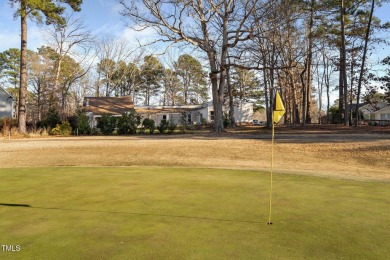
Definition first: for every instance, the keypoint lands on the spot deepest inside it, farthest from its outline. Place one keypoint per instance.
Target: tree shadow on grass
(15, 205)
(133, 213)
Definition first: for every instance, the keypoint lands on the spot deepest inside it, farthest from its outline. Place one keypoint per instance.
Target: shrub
(52, 118)
(66, 128)
(82, 124)
(38, 132)
(55, 130)
(226, 120)
(171, 127)
(163, 126)
(6, 125)
(129, 122)
(95, 131)
(62, 129)
(107, 124)
(149, 124)
(73, 121)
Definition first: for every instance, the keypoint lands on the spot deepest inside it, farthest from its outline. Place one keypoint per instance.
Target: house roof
(6, 92)
(165, 109)
(108, 105)
(372, 108)
(385, 109)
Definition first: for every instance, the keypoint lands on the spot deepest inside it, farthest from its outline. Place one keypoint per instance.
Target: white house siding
(383, 114)
(6, 104)
(193, 117)
(170, 117)
(196, 116)
(243, 112)
(91, 120)
(374, 112)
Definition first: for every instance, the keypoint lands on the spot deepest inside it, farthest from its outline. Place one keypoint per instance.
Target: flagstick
(277, 114)
(272, 167)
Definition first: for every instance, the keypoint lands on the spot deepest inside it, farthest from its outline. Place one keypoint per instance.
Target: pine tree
(52, 10)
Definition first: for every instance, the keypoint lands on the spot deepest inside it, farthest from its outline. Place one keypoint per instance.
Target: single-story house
(194, 114)
(174, 114)
(95, 107)
(378, 112)
(6, 104)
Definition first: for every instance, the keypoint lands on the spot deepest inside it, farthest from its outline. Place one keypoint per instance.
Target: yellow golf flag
(279, 108)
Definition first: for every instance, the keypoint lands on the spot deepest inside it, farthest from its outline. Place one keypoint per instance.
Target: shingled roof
(108, 105)
(165, 109)
(6, 92)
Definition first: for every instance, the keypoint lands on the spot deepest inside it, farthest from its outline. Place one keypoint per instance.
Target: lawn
(186, 213)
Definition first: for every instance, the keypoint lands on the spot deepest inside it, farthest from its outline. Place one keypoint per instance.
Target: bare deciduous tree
(110, 53)
(72, 39)
(214, 27)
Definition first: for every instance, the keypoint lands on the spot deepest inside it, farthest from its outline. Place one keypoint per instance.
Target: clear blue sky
(102, 18)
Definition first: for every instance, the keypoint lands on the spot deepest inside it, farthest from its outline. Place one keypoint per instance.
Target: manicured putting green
(176, 213)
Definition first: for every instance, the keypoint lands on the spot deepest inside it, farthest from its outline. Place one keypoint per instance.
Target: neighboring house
(6, 104)
(95, 107)
(194, 114)
(174, 114)
(243, 111)
(378, 112)
(382, 115)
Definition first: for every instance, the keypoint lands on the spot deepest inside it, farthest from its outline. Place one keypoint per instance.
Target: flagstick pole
(272, 167)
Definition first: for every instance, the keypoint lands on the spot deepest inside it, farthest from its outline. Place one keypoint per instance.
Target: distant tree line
(303, 49)
(240, 49)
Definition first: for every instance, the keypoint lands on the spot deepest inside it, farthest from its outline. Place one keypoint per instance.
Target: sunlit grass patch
(176, 213)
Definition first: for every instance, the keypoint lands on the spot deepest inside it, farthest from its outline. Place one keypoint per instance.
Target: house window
(212, 115)
(189, 118)
(164, 117)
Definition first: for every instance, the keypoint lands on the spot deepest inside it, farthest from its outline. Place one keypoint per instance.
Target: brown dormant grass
(354, 156)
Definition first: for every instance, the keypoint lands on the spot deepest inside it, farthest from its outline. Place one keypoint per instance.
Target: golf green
(186, 213)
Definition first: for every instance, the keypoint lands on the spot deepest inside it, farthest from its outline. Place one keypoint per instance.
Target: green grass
(171, 213)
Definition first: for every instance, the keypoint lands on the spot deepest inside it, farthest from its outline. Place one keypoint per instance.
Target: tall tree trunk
(97, 90)
(107, 89)
(350, 97)
(231, 99)
(309, 64)
(320, 83)
(56, 80)
(39, 102)
(304, 94)
(363, 62)
(341, 92)
(327, 102)
(23, 70)
(327, 84)
(217, 105)
(343, 65)
(295, 110)
(63, 105)
(185, 90)
(218, 84)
